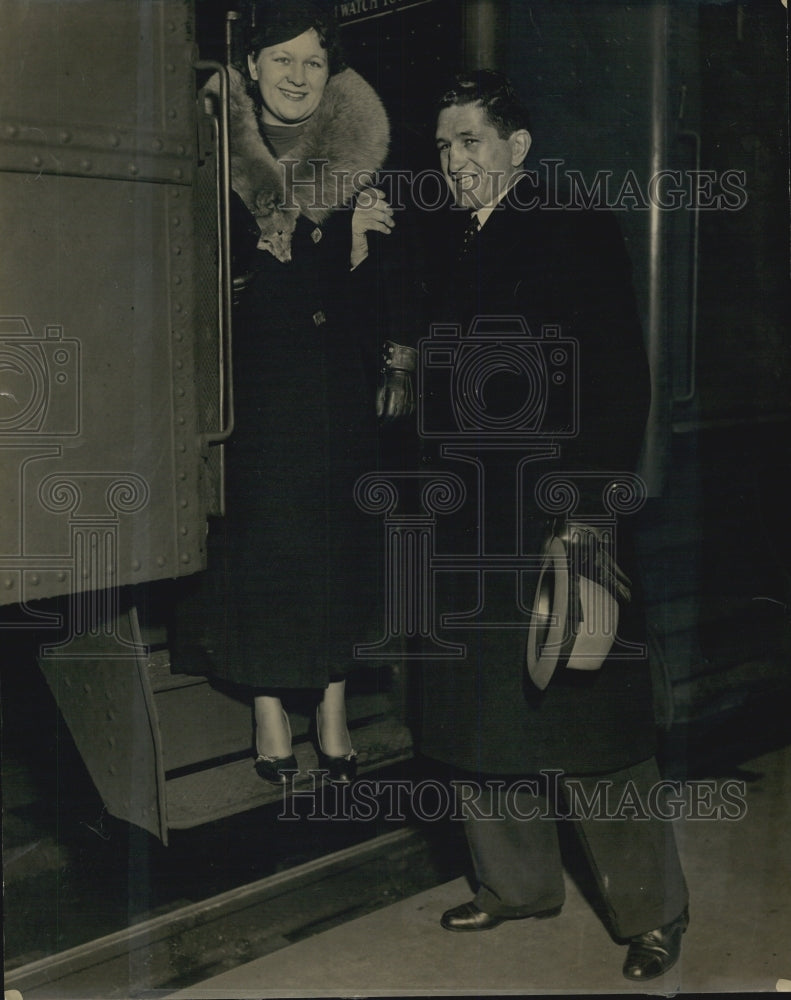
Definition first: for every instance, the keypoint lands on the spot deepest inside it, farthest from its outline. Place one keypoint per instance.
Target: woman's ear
(251, 66)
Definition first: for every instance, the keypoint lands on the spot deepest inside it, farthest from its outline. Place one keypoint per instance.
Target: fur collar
(345, 139)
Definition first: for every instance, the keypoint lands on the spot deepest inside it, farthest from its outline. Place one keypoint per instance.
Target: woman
(294, 578)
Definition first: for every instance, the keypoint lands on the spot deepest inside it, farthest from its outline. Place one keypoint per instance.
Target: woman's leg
(333, 733)
(272, 731)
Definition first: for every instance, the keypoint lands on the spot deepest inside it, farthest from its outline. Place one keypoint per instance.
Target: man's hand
(371, 213)
(395, 397)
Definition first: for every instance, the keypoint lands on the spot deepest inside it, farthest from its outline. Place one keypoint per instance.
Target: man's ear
(520, 144)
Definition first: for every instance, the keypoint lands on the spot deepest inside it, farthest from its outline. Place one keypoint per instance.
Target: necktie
(470, 232)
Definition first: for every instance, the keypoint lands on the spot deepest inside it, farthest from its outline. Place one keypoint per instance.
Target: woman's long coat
(294, 575)
(567, 270)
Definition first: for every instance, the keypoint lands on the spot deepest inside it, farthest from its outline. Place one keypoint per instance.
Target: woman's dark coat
(567, 269)
(294, 576)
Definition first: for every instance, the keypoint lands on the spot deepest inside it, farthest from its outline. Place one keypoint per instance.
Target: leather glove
(395, 397)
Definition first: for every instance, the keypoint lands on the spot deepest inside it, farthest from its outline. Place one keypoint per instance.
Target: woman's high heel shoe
(342, 770)
(277, 769)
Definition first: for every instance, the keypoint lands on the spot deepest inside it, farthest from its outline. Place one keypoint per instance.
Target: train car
(116, 390)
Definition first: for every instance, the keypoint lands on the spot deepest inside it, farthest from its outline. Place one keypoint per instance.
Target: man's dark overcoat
(568, 269)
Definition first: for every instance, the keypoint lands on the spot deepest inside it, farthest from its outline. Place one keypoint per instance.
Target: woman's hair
(263, 23)
(496, 95)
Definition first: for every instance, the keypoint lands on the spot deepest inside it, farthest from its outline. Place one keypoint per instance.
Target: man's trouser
(634, 860)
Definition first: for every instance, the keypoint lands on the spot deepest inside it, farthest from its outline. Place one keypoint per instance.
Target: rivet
(184, 530)
(134, 169)
(158, 144)
(61, 577)
(65, 136)
(111, 769)
(171, 26)
(181, 149)
(182, 421)
(179, 364)
(110, 714)
(86, 164)
(177, 279)
(35, 579)
(160, 560)
(175, 194)
(135, 564)
(182, 447)
(171, 68)
(178, 173)
(11, 130)
(86, 574)
(37, 161)
(182, 476)
(185, 557)
(115, 140)
(180, 391)
(176, 220)
(184, 503)
(86, 688)
(8, 583)
(111, 741)
(178, 335)
(177, 250)
(178, 307)
(171, 113)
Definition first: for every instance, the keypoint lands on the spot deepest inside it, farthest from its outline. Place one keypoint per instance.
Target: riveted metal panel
(98, 89)
(97, 337)
(123, 66)
(108, 299)
(100, 682)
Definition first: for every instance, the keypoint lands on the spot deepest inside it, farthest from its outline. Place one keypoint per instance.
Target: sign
(353, 11)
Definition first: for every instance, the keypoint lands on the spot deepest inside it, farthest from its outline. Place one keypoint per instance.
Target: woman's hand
(372, 213)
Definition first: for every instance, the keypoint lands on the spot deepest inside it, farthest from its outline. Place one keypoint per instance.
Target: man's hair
(494, 91)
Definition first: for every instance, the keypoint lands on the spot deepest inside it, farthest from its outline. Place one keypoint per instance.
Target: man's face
(477, 163)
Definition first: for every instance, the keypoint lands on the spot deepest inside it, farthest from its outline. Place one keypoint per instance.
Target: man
(558, 284)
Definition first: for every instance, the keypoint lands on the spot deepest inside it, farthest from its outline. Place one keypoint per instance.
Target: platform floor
(739, 939)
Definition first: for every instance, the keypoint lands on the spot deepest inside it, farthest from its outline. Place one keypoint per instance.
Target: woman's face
(291, 77)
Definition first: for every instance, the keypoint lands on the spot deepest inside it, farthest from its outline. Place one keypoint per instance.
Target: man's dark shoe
(653, 953)
(468, 917)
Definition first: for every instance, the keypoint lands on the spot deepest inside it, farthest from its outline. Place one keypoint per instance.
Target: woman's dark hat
(271, 22)
(264, 23)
